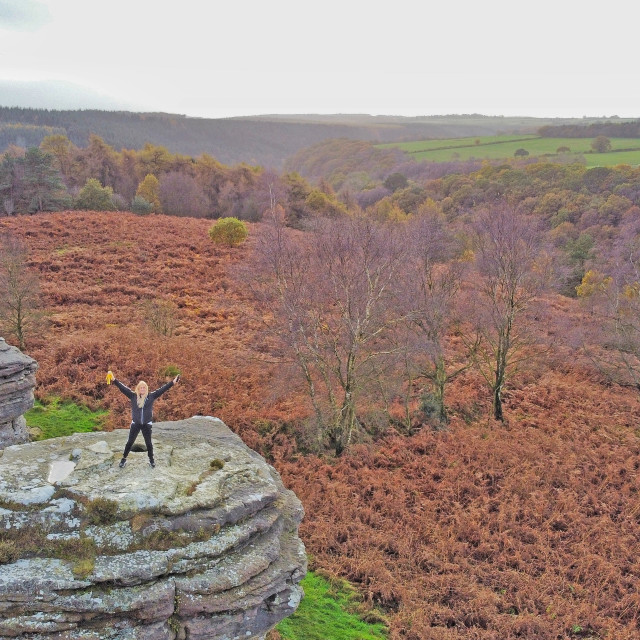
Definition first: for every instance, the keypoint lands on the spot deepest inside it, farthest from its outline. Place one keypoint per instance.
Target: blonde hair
(142, 397)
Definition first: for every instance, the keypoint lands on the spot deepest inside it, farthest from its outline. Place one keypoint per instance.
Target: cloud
(23, 15)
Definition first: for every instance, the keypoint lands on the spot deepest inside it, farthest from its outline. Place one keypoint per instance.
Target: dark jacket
(144, 414)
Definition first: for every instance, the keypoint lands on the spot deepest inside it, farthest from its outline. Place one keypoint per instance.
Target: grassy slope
(328, 612)
(55, 418)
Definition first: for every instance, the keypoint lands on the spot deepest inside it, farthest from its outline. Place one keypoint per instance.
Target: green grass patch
(623, 151)
(417, 146)
(329, 611)
(55, 417)
(613, 158)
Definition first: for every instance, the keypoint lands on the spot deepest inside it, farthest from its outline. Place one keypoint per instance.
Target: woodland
(441, 361)
(260, 140)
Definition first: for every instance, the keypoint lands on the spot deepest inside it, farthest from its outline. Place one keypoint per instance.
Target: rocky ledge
(17, 381)
(203, 546)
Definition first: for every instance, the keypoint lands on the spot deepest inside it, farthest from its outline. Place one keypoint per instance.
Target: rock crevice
(203, 546)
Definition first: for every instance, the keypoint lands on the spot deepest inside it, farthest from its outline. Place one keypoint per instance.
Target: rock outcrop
(17, 381)
(204, 546)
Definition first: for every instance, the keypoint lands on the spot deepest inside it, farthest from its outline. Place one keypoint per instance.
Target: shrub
(395, 181)
(94, 197)
(8, 551)
(119, 202)
(141, 206)
(102, 511)
(229, 231)
(170, 371)
(72, 549)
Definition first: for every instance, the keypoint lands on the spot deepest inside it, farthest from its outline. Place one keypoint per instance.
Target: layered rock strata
(204, 546)
(17, 381)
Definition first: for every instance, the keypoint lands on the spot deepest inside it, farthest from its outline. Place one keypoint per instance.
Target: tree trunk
(440, 382)
(497, 404)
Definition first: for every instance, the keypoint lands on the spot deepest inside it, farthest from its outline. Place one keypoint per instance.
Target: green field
(624, 150)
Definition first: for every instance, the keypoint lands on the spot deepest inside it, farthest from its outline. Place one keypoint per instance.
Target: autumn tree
(149, 190)
(614, 298)
(100, 161)
(298, 190)
(601, 144)
(154, 159)
(511, 270)
(181, 195)
(127, 179)
(20, 313)
(64, 152)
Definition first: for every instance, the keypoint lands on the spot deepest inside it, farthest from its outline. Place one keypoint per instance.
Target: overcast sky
(404, 57)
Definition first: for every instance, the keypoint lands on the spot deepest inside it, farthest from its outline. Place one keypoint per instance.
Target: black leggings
(134, 430)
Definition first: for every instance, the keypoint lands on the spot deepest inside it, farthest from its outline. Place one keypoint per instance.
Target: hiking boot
(122, 462)
(152, 464)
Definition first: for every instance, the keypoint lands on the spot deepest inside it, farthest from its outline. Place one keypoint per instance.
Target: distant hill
(258, 140)
(55, 94)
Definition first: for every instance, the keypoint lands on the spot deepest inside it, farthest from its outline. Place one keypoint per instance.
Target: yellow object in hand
(110, 377)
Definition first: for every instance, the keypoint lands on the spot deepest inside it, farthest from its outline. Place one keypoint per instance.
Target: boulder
(17, 381)
(203, 546)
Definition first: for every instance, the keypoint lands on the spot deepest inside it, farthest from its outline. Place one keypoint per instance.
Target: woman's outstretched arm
(165, 387)
(127, 392)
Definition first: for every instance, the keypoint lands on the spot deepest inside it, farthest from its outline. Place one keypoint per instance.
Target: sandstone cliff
(203, 546)
(17, 381)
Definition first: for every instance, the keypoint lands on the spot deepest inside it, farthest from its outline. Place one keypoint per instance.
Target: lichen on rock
(185, 549)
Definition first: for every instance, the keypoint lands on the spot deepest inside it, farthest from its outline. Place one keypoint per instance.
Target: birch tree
(19, 292)
(334, 286)
(511, 270)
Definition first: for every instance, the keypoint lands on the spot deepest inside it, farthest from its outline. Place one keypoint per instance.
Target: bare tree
(20, 312)
(160, 315)
(511, 270)
(335, 307)
(431, 291)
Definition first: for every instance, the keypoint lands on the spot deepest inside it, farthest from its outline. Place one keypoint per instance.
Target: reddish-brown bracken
(487, 531)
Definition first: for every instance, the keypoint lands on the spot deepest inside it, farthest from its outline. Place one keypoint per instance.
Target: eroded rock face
(17, 381)
(204, 546)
